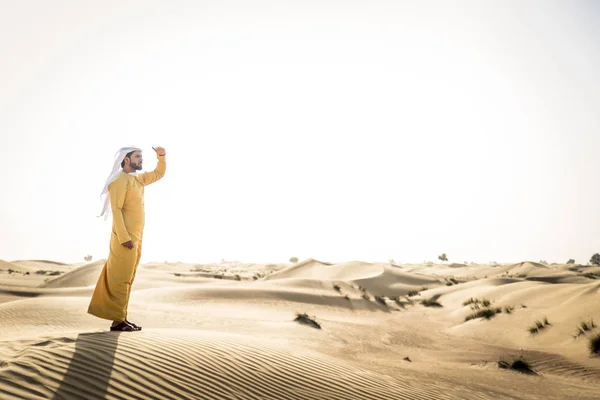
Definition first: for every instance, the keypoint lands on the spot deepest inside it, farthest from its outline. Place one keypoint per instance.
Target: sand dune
(227, 331)
(194, 365)
(86, 275)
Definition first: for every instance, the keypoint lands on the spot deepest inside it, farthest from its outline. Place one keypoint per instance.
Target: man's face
(136, 160)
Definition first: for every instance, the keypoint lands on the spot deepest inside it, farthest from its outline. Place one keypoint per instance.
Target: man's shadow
(88, 374)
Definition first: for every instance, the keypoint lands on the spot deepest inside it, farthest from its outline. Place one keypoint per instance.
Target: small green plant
(238, 278)
(509, 309)
(594, 344)
(571, 261)
(595, 260)
(443, 257)
(294, 260)
(519, 364)
(307, 320)
(413, 293)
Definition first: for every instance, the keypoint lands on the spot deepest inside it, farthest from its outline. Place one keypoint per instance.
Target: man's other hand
(128, 244)
(160, 151)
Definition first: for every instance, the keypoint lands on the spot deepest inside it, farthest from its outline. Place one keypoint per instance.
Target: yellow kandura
(126, 193)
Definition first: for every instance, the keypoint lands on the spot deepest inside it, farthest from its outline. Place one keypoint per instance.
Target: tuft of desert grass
(483, 302)
(485, 313)
(413, 293)
(508, 309)
(399, 302)
(585, 326)
(538, 326)
(381, 300)
(307, 320)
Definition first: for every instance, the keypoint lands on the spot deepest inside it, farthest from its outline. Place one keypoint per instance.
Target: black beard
(136, 166)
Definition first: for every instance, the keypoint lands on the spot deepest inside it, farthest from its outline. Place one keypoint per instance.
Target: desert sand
(228, 331)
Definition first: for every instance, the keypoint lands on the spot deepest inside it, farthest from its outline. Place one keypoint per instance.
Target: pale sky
(338, 130)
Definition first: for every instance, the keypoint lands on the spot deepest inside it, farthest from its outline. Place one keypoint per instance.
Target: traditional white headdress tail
(119, 156)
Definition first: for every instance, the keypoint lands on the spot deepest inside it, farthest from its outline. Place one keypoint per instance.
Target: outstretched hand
(160, 151)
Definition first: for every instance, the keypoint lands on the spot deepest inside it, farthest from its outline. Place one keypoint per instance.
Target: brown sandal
(137, 327)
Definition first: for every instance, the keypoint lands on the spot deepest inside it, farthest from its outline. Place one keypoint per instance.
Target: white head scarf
(119, 156)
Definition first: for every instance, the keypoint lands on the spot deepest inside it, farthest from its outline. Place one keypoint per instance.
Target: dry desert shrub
(594, 344)
(45, 272)
(519, 364)
(431, 303)
(307, 320)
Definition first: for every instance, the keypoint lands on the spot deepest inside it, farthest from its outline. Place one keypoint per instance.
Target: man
(124, 193)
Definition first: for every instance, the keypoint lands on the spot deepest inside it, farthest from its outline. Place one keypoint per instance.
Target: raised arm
(150, 177)
(117, 190)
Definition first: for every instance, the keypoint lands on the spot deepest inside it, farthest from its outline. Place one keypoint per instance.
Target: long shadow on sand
(88, 374)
